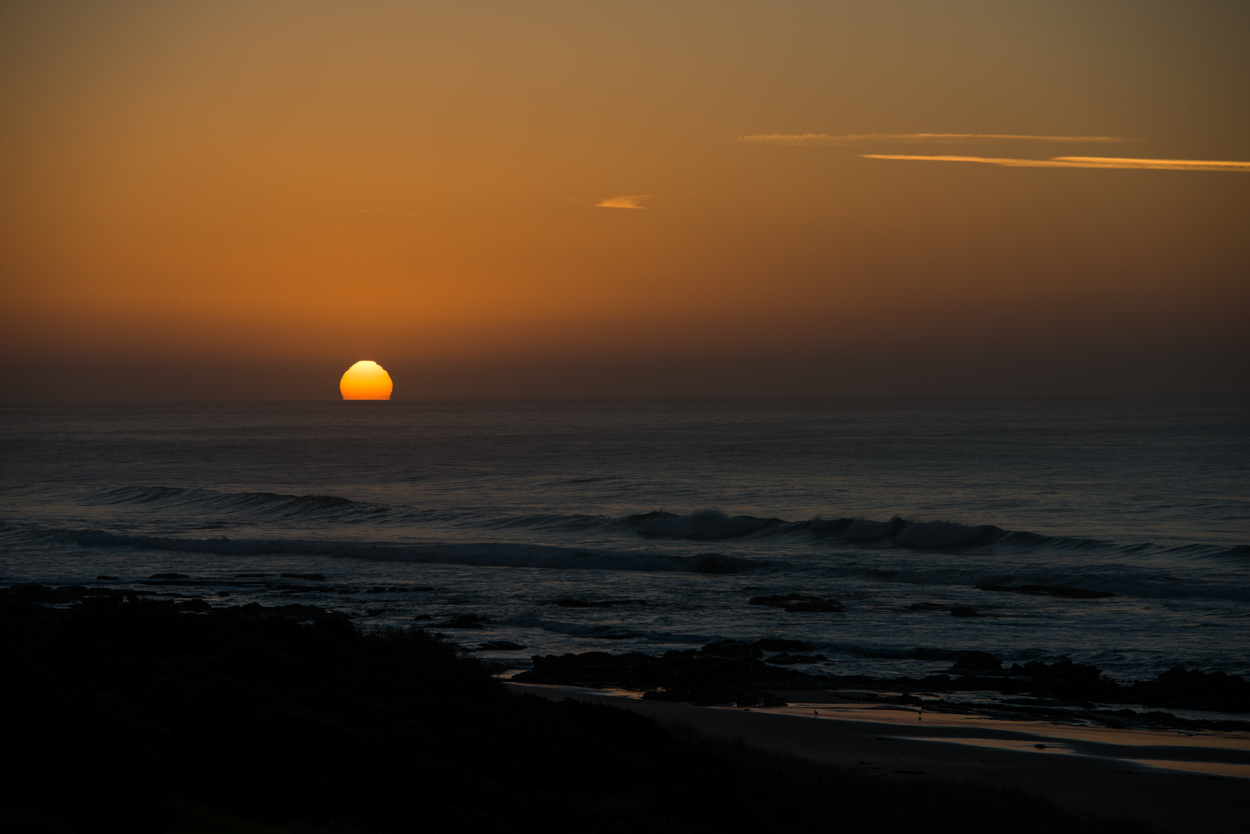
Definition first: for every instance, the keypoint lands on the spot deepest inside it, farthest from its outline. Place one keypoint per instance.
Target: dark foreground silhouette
(131, 715)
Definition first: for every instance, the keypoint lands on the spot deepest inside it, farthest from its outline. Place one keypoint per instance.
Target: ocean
(427, 513)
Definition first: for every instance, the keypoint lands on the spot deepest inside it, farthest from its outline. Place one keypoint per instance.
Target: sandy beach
(1174, 781)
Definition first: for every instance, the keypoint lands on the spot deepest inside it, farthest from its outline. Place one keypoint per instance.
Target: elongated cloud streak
(629, 201)
(1084, 162)
(914, 138)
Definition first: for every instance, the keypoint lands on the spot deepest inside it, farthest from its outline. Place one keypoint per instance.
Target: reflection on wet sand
(1217, 754)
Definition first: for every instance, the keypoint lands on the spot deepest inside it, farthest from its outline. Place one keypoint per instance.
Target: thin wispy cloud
(1083, 162)
(914, 138)
(629, 201)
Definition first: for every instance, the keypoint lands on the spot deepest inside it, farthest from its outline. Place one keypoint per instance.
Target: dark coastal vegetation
(143, 716)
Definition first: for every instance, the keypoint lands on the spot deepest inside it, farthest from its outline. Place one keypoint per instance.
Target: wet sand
(1177, 782)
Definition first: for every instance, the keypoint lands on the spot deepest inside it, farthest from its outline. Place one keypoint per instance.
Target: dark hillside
(127, 715)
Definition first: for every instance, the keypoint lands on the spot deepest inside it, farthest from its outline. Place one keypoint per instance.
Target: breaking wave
(712, 525)
(260, 506)
(800, 568)
(705, 525)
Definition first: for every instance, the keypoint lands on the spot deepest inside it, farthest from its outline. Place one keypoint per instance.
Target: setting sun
(366, 380)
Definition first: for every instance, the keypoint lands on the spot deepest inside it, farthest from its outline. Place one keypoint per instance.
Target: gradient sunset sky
(237, 200)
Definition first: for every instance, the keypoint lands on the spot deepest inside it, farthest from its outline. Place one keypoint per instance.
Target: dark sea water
(693, 507)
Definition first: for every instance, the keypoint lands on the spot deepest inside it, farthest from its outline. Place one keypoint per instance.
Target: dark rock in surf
(1063, 668)
(101, 598)
(778, 600)
(800, 603)
(977, 663)
(310, 577)
(785, 659)
(1061, 679)
(1179, 688)
(32, 594)
(735, 649)
(501, 646)
(294, 611)
(965, 611)
(169, 576)
(929, 606)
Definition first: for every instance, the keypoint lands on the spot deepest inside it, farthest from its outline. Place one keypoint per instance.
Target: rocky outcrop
(977, 663)
(786, 659)
(727, 671)
(293, 611)
(772, 644)
(1179, 688)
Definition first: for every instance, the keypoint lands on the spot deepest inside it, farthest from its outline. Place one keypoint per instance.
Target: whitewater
(649, 525)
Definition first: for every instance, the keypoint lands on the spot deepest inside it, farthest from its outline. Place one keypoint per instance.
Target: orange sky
(238, 200)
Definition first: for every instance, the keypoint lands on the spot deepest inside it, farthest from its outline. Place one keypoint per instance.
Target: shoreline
(213, 721)
(349, 695)
(1174, 780)
(730, 672)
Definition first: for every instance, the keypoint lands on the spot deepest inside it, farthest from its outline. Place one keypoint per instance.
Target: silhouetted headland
(145, 715)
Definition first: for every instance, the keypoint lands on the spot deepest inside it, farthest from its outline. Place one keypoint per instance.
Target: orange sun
(366, 381)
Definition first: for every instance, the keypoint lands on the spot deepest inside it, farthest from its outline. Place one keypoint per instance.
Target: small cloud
(629, 201)
(913, 138)
(1084, 162)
